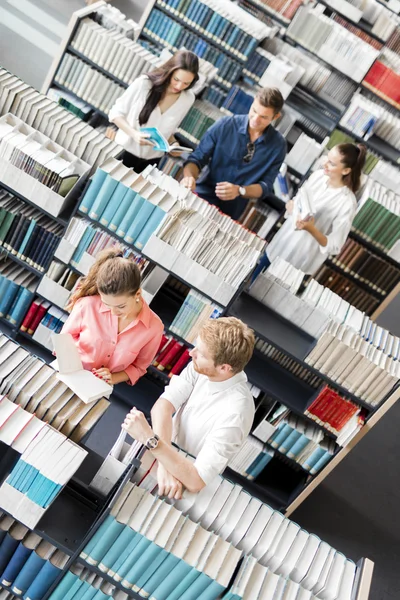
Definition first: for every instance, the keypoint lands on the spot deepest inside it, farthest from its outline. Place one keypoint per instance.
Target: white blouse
(334, 209)
(130, 104)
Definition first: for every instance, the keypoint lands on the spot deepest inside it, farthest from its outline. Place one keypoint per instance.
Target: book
(160, 143)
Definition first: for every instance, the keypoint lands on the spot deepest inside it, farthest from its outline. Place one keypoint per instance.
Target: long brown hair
(352, 156)
(161, 77)
(111, 274)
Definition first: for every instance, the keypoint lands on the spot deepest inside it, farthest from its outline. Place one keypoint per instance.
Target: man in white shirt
(207, 410)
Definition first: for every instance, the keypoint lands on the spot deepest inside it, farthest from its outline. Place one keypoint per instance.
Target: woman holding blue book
(159, 99)
(116, 332)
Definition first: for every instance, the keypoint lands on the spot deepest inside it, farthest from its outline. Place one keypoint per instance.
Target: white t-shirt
(334, 209)
(130, 104)
(212, 419)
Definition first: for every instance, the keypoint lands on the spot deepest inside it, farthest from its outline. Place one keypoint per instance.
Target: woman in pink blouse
(116, 332)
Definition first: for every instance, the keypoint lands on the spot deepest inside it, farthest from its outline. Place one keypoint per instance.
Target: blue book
(289, 441)
(65, 586)
(193, 581)
(28, 573)
(97, 536)
(83, 244)
(14, 302)
(8, 291)
(43, 580)
(21, 306)
(133, 574)
(94, 188)
(89, 594)
(103, 197)
(325, 458)
(114, 570)
(212, 591)
(153, 565)
(262, 463)
(313, 458)
(114, 204)
(77, 590)
(298, 446)
(130, 215)
(105, 542)
(160, 575)
(150, 555)
(7, 549)
(276, 432)
(152, 223)
(101, 596)
(127, 564)
(114, 552)
(276, 441)
(168, 584)
(121, 211)
(26, 237)
(139, 221)
(15, 564)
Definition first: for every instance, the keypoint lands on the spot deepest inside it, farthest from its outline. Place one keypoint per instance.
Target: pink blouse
(95, 331)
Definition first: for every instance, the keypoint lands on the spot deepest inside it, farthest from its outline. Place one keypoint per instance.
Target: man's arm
(230, 191)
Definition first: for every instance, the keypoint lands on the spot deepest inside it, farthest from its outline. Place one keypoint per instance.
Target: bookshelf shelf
(51, 301)
(72, 50)
(65, 89)
(362, 25)
(63, 220)
(109, 579)
(361, 284)
(373, 248)
(20, 262)
(376, 145)
(299, 101)
(267, 10)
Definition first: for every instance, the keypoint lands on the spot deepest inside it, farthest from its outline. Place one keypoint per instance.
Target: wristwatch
(152, 442)
(242, 190)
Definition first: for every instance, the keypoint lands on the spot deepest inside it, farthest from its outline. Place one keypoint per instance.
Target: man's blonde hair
(229, 341)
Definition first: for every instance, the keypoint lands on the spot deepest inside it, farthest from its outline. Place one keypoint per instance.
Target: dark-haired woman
(159, 99)
(116, 332)
(307, 244)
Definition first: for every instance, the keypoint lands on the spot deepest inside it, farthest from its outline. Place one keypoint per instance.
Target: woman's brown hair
(111, 274)
(352, 156)
(161, 77)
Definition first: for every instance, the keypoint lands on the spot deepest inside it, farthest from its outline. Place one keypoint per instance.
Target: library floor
(356, 510)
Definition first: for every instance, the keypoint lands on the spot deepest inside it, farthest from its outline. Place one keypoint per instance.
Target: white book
(313, 574)
(347, 581)
(235, 515)
(293, 554)
(272, 585)
(283, 547)
(245, 521)
(256, 529)
(25, 437)
(216, 504)
(268, 536)
(14, 425)
(330, 590)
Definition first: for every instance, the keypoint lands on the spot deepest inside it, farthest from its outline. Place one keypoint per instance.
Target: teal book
(193, 580)
(89, 594)
(77, 590)
(260, 466)
(25, 240)
(169, 583)
(130, 215)
(298, 446)
(119, 546)
(149, 555)
(197, 588)
(278, 429)
(101, 596)
(277, 440)
(42, 582)
(212, 591)
(154, 563)
(150, 227)
(83, 244)
(14, 302)
(114, 570)
(92, 191)
(113, 204)
(325, 458)
(127, 564)
(21, 306)
(105, 542)
(289, 441)
(122, 209)
(64, 587)
(8, 291)
(136, 224)
(313, 458)
(159, 575)
(103, 197)
(132, 574)
(97, 536)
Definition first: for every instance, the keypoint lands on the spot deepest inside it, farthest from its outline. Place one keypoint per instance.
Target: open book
(160, 142)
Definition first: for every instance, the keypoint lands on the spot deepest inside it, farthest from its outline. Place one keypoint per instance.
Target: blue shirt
(223, 148)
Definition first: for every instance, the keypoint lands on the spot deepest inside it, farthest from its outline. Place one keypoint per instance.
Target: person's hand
(306, 225)
(289, 207)
(104, 374)
(136, 425)
(189, 182)
(226, 190)
(141, 138)
(168, 485)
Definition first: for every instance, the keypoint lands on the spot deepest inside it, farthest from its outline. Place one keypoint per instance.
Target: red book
(180, 363)
(313, 406)
(171, 357)
(351, 410)
(164, 341)
(171, 342)
(321, 403)
(30, 314)
(37, 318)
(333, 406)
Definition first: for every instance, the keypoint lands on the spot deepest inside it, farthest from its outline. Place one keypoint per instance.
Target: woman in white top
(306, 244)
(159, 99)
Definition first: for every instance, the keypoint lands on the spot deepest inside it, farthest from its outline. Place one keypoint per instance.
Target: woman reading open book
(116, 332)
(159, 99)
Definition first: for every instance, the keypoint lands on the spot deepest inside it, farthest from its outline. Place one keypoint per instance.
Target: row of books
(214, 94)
(27, 233)
(303, 153)
(17, 287)
(285, 10)
(88, 83)
(234, 30)
(81, 583)
(364, 118)
(259, 218)
(57, 285)
(172, 356)
(331, 42)
(41, 312)
(35, 387)
(195, 310)
(71, 103)
(171, 166)
(151, 547)
(360, 33)
(54, 121)
(353, 362)
(44, 468)
(378, 217)
(383, 78)
(166, 31)
(198, 120)
(114, 52)
(365, 266)
(29, 564)
(238, 100)
(251, 459)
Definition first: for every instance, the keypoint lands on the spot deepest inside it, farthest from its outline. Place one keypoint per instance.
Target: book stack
(42, 320)
(361, 33)
(26, 233)
(364, 363)
(239, 100)
(54, 121)
(214, 94)
(338, 415)
(259, 218)
(88, 83)
(166, 31)
(364, 117)
(46, 465)
(366, 267)
(195, 310)
(28, 563)
(383, 78)
(80, 583)
(35, 314)
(172, 356)
(58, 284)
(231, 27)
(198, 120)
(148, 545)
(71, 103)
(374, 13)
(35, 387)
(331, 42)
(17, 287)
(304, 153)
(284, 10)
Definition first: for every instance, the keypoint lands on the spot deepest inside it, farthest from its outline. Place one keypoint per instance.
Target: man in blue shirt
(243, 154)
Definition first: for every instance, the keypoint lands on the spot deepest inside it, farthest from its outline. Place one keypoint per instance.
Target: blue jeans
(263, 264)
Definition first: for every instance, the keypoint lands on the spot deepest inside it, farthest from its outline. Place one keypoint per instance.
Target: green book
(5, 226)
